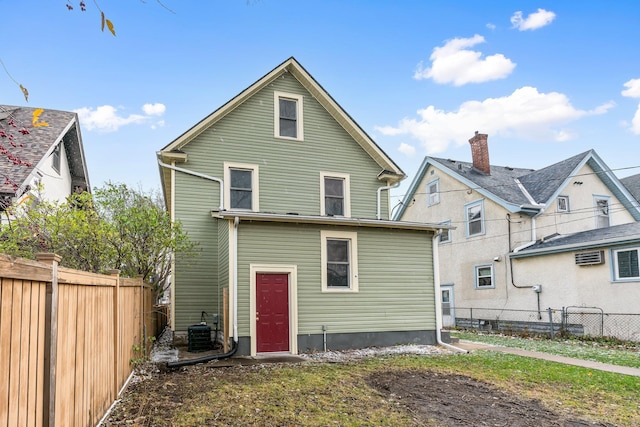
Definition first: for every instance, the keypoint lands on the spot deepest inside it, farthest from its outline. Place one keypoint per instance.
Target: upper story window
(433, 192)
(445, 235)
(335, 197)
(475, 218)
(601, 204)
(241, 186)
(55, 158)
(484, 276)
(563, 203)
(288, 116)
(626, 264)
(339, 260)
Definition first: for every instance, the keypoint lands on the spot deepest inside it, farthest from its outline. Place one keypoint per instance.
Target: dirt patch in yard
(429, 398)
(455, 400)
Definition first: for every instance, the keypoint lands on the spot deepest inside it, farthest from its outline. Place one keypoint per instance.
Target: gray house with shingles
(502, 213)
(288, 199)
(41, 155)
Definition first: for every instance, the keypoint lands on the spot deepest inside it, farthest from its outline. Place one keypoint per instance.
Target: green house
(288, 199)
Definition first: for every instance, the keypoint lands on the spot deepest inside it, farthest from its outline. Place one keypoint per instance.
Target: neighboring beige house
(497, 258)
(41, 155)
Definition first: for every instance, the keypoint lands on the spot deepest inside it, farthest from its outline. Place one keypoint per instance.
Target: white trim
(567, 208)
(347, 191)
(292, 271)
(352, 237)
(466, 217)
(255, 184)
(616, 267)
(276, 115)
(596, 209)
(172, 214)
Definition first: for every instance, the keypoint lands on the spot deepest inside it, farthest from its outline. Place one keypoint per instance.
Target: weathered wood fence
(67, 339)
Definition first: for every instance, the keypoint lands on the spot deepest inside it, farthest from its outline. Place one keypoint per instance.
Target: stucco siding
(395, 278)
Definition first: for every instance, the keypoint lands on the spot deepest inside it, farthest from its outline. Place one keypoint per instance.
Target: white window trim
(57, 153)
(347, 192)
(476, 268)
(466, 217)
(436, 195)
(614, 265)
(276, 115)
(597, 215)
(353, 261)
(255, 194)
(440, 241)
(292, 271)
(568, 207)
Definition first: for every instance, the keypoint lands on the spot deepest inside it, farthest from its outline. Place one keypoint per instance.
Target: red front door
(272, 312)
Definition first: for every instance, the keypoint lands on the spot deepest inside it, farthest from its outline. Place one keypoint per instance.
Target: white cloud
(154, 109)
(633, 88)
(526, 114)
(535, 20)
(106, 118)
(491, 26)
(407, 150)
(635, 123)
(455, 63)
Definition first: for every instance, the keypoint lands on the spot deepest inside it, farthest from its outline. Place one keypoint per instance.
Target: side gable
(390, 171)
(31, 145)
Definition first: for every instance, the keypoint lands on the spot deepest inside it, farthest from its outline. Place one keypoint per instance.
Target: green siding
(289, 170)
(289, 181)
(196, 286)
(223, 261)
(395, 269)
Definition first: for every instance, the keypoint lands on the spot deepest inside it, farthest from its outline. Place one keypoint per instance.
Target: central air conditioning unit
(590, 258)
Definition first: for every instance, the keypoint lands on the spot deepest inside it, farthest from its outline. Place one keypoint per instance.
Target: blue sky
(545, 79)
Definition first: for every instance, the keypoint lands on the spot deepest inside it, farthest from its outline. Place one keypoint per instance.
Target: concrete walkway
(470, 346)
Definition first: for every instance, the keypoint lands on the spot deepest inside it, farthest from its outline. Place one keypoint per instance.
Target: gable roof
(29, 147)
(616, 235)
(525, 190)
(389, 169)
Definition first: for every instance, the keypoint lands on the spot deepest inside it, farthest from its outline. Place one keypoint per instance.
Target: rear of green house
(288, 199)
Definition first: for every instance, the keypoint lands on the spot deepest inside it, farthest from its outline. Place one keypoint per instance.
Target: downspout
(200, 175)
(234, 290)
(438, 295)
(388, 187)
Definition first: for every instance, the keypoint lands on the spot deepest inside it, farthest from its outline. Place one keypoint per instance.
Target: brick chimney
(480, 152)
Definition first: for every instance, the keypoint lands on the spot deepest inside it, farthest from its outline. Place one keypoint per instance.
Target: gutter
(199, 175)
(438, 296)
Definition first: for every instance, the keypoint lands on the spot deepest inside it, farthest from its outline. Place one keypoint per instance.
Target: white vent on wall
(590, 258)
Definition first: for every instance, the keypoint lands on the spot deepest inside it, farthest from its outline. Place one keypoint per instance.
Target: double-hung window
(339, 261)
(288, 116)
(433, 193)
(626, 265)
(484, 276)
(241, 186)
(475, 218)
(602, 211)
(335, 199)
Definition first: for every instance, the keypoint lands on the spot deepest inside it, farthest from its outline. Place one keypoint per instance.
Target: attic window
(288, 116)
(55, 158)
(563, 203)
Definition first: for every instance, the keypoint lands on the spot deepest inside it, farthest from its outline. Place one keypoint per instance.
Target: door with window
(448, 310)
(272, 312)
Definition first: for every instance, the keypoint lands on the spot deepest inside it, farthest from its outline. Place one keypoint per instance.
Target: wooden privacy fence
(67, 339)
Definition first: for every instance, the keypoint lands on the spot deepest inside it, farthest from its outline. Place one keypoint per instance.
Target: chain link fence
(574, 320)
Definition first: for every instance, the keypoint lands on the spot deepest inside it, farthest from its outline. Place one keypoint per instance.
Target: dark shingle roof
(633, 185)
(607, 236)
(23, 145)
(501, 182)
